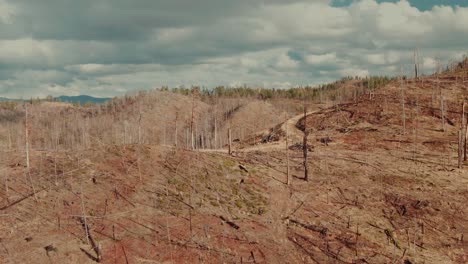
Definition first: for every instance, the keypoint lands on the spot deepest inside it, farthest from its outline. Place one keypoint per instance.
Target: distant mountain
(4, 99)
(82, 99)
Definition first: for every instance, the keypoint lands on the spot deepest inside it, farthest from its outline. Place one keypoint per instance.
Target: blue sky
(420, 4)
(110, 47)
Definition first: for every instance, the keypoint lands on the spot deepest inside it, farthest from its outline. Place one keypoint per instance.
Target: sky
(112, 47)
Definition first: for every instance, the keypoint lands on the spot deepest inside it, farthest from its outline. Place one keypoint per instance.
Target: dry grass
(376, 195)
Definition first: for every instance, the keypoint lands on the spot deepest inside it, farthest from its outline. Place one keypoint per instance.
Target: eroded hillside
(384, 183)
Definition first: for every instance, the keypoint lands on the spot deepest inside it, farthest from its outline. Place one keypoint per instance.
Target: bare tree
(416, 67)
(139, 124)
(215, 117)
(28, 167)
(402, 101)
(230, 141)
(460, 148)
(6, 188)
(9, 137)
(288, 179)
(464, 130)
(304, 144)
(442, 109)
(192, 120)
(26, 134)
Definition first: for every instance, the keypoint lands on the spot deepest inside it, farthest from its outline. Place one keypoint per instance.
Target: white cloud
(22, 50)
(125, 46)
(429, 63)
(317, 19)
(285, 62)
(173, 35)
(6, 12)
(378, 59)
(314, 59)
(354, 72)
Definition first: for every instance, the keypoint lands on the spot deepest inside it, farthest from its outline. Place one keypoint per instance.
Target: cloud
(321, 59)
(429, 63)
(108, 47)
(6, 12)
(285, 62)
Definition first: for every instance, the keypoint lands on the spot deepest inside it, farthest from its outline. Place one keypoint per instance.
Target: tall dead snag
(9, 137)
(403, 102)
(460, 148)
(304, 145)
(28, 168)
(462, 138)
(416, 70)
(215, 127)
(230, 142)
(175, 131)
(139, 125)
(192, 120)
(26, 134)
(464, 129)
(442, 108)
(288, 179)
(6, 188)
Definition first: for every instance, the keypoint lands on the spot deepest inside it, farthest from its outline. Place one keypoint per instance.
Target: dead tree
(9, 137)
(28, 167)
(215, 139)
(460, 148)
(26, 134)
(304, 145)
(139, 125)
(230, 141)
(175, 131)
(416, 57)
(442, 109)
(288, 179)
(464, 129)
(192, 120)
(403, 102)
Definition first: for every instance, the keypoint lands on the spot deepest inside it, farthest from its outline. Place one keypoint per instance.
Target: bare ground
(378, 194)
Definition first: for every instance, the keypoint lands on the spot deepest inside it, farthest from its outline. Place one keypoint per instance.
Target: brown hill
(384, 186)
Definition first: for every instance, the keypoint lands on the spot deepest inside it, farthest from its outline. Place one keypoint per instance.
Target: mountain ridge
(82, 99)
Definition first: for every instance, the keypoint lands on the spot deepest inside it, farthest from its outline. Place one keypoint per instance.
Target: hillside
(110, 186)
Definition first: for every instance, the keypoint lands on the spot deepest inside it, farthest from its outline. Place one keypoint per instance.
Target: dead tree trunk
(175, 132)
(304, 146)
(442, 110)
(460, 148)
(416, 64)
(403, 102)
(464, 129)
(139, 125)
(9, 137)
(28, 168)
(192, 120)
(215, 137)
(26, 134)
(465, 145)
(230, 142)
(288, 179)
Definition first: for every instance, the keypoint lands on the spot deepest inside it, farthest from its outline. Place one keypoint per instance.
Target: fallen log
(230, 223)
(20, 200)
(322, 230)
(95, 246)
